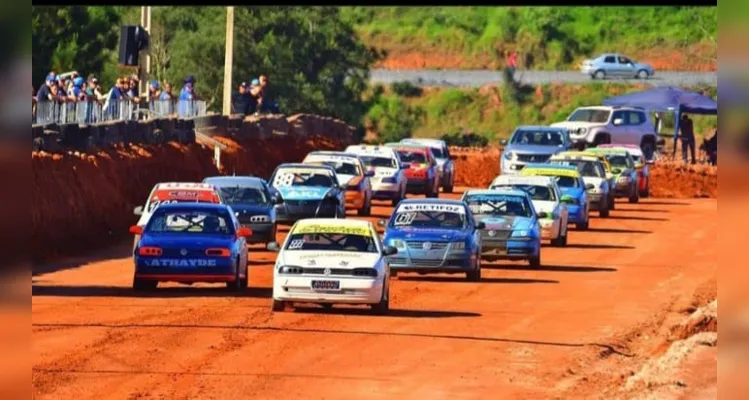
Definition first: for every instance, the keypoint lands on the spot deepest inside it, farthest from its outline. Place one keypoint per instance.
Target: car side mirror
(616, 171)
(369, 174)
(618, 121)
(381, 222)
(542, 215)
(503, 142)
(136, 230)
(273, 246)
(138, 210)
(567, 199)
(244, 232)
(481, 225)
(277, 199)
(389, 251)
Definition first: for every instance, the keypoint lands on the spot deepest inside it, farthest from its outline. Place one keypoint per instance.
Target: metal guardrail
(91, 112)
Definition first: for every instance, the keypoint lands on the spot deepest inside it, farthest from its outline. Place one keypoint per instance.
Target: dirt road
(516, 333)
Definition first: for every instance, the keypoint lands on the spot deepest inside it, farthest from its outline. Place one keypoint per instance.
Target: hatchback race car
(624, 173)
(190, 243)
(510, 228)
(434, 236)
(593, 172)
(389, 181)
(422, 174)
(445, 164)
(252, 202)
(307, 191)
(175, 192)
(642, 165)
(573, 188)
(606, 167)
(547, 198)
(352, 177)
(329, 261)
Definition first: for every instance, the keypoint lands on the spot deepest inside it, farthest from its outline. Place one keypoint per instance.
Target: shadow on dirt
(398, 313)
(170, 373)
(625, 218)
(122, 250)
(615, 230)
(645, 210)
(456, 279)
(121, 291)
(605, 347)
(664, 203)
(596, 246)
(547, 268)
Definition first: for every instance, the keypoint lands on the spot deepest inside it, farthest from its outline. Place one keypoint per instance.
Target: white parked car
(389, 181)
(332, 261)
(547, 198)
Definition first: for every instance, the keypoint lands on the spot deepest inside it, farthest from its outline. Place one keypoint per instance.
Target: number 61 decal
(405, 218)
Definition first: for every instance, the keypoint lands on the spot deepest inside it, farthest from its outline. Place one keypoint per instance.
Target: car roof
(193, 206)
(541, 128)
(243, 181)
(184, 186)
(307, 166)
(373, 150)
(432, 201)
(578, 154)
(428, 142)
(339, 222)
(524, 180)
(333, 154)
(507, 192)
(609, 151)
(415, 146)
(567, 168)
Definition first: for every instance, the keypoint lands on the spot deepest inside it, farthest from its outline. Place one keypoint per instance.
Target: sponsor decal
(178, 263)
(447, 208)
(334, 229)
(549, 172)
(318, 255)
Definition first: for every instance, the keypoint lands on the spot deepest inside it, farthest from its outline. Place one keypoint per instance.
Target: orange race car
(352, 177)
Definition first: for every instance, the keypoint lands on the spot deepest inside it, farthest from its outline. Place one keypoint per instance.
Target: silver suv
(591, 126)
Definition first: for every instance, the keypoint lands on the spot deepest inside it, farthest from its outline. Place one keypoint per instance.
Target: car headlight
(521, 233)
(458, 246)
(508, 155)
(398, 244)
(290, 270)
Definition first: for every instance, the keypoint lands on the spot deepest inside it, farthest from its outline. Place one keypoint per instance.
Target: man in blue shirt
(187, 96)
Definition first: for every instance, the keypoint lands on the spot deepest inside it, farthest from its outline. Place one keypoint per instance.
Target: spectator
(241, 103)
(159, 100)
(269, 105)
(256, 94)
(44, 92)
(711, 148)
(686, 128)
(168, 91)
(77, 92)
(187, 97)
(133, 90)
(183, 94)
(512, 63)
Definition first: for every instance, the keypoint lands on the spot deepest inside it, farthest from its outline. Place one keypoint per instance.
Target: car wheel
(535, 262)
(646, 193)
(448, 189)
(367, 210)
(144, 284)
(604, 213)
(236, 284)
(561, 240)
(383, 306)
(635, 196)
(612, 202)
(582, 226)
(278, 306)
(475, 274)
(245, 282)
(600, 74)
(642, 74)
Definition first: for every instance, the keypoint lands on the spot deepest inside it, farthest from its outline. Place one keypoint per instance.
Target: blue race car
(574, 190)
(191, 242)
(252, 202)
(510, 228)
(438, 236)
(307, 191)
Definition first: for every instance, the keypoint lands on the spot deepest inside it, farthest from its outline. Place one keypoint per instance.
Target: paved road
(478, 78)
(514, 334)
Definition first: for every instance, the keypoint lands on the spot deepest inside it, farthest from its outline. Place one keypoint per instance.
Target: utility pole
(144, 69)
(228, 59)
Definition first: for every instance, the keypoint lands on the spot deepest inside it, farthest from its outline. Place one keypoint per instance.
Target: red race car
(423, 176)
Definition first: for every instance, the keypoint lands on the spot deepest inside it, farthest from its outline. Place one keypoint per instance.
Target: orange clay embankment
(477, 167)
(82, 202)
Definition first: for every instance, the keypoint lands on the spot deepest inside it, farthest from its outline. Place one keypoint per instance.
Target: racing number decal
(155, 203)
(475, 208)
(296, 244)
(405, 218)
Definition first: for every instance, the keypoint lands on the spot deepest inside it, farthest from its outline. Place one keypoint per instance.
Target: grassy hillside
(548, 37)
(492, 111)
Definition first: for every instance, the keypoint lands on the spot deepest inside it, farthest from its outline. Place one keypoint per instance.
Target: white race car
(547, 198)
(332, 261)
(389, 181)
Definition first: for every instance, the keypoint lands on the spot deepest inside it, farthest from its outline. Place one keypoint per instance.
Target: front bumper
(450, 263)
(385, 191)
(596, 200)
(417, 185)
(512, 167)
(575, 214)
(294, 210)
(352, 290)
(510, 249)
(547, 229)
(624, 189)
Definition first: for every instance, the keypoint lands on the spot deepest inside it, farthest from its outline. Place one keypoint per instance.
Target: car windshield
(408, 157)
(497, 205)
(375, 162)
(535, 138)
(430, 216)
(303, 178)
(438, 152)
(619, 161)
(243, 195)
(586, 168)
(589, 115)
(332, 242)
(537, 192)
(342, 167)
(190, 222)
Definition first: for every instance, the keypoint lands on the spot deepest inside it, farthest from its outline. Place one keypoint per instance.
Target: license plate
(326, 285)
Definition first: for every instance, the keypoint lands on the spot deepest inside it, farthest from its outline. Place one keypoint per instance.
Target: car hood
(187, 241)
(574, 192)
(251, 209)
(337, 259)
(383, 172)
(505, 223)
(442, 161)
(594, 181)
(429, 234)
(303, 192)
(577, 124)
(343, 180)
(544, 206)
(533, 150)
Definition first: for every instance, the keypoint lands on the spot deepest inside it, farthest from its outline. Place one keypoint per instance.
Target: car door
(618, 126)
(609, 65)
(636, 126)
(625, 67)
(561, 206)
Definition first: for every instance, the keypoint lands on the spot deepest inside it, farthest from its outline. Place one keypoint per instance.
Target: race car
(422, 174)
(389, 181)
(191, 242)
(573, 189)
(434, 236)
(624, 172)
(510, 228)
(351, 176)
(593, 173)
(175, 192)
(329, 261)
(445, 164)
(642, 165)
(307, 191)
(547, 198)
(611, 180)
(252, 202)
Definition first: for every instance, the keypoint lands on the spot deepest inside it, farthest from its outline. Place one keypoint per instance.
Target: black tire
(393, 274)
(475, 274)
(646, 193)
(612, 202)
(583, 226)
(604, 212)
(535, 262)
(236, 284)
(600, 74)
(432, 192)
(367, 210)
(448, 189)
(561, 241)
(601, 138)
(278, 306)
(383, 307)
(634, 197)
(245, 282)
(143, 285)
(642, 74)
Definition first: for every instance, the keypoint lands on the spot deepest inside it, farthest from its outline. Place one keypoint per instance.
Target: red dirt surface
(79, 199)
